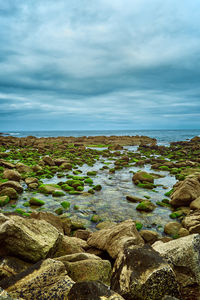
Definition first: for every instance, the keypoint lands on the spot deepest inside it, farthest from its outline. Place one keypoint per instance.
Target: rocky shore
(52, 255)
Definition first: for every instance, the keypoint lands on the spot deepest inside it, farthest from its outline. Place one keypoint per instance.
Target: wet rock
(48, 161)
(92, 290)
(185, 192)
(45, 280)
(183, 254)
(114, 238)
(134, 199)
(30, 180)
(10, 266)
(85, 267)
(6, 164)
(172, 228)
(149, 236)
(66, 166)
(12, 184)
(146, 205)
(141, 273)
(59, 161)
(21, 168)
(11, 175)
(49, 188)
(71, 245)
(10, 192)
(192, 222)
(143, 177)
(28, 239)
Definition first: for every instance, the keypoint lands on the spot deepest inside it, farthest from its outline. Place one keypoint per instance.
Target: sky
(99, 64)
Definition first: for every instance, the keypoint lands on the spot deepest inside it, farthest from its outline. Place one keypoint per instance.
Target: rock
(71, 245)
(10, 266)
(149, 236)
(185, 192)
(105, 225)
(48, 161)
(195, 204)
(192, 222)
(92, 290)
(35, 201)
(11, 175)
(29, 239)
(50, 218)
(141, 273)
(143, 177)
(33, 186)
(59, 161)
(11, 184)
(183, 254)
(114, 238)
(49, 188)
(21, 168)
(45, 280)
(134, 199)
(6, 164)
(5, 296)
(86, 267)
(172, 228)
(83, 234)
(146, 205)
(10, 192)
(30, 180)
(183, 232)
(4, 200)
(66, 166)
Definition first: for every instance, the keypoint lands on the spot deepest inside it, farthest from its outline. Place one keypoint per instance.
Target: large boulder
(185, 192)
(192, 222)
(45, 280)
(11, 175)
(12, 184)
(114, 239)
(184, 256)
(92, 290)
(28, 239)
(141, 273)
(86, 267)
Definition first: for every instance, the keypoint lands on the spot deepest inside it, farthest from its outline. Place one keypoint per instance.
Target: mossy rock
(36, 202)
(164, 168)
(20, 211)
(97, 187)
(92, 173)
(65, 205)
(88, 181)
(4, 200)
(48, 188)
(148, 186)
(176, 214)
(91, 191)
(80, 188)
(59, 211)
(74, 192)
(138, 225)
(146, 206)
(67, 187)
(168, 194)
(26, 204)
(95, 219)
(58, 193)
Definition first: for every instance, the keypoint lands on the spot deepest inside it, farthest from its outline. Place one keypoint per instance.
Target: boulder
(11, 175)
(5, 296)
(49, 188)
(195, 204)
(82, 234)
(113, 239)
(50, 218)
(143, 177)
(31, 180)
(92, 290)
(28, 239)
(12, 184)
(6, 164)
(45, 280)
(10, 266)
(141, 273)
(21, 168)
(185, 192)
(86, 267)
(172, 228)
(192, 222)
(71, 245)
(184, 255)
(10, 192)
(48, 161)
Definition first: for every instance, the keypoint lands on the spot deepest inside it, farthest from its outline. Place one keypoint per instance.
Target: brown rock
(172, 228)
(11, 184)
(192, 222)
(11, 175)
(71, 245)
(10, 266)
(50, 218)
(114, 238)
(149, 236)
(30, 180)
(134, 199)
(195, 204)
(83, 234)
(142, 176)
(21, 168)
(10, 192)
(6, 164)
(48, 161)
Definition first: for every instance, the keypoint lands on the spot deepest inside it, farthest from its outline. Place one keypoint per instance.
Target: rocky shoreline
(49, 255)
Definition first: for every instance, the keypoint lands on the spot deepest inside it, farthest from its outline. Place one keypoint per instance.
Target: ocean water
(164, 137)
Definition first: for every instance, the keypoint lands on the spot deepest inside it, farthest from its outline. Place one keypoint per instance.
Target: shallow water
(110, 203)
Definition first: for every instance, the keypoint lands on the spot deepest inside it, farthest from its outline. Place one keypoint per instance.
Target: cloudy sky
(99, 64)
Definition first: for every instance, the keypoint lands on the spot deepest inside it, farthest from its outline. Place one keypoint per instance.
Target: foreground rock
(185, 192)
(29, 239)
(45, 280)
(115, 238)
(141, 273)
(184, 256)
(86, 267)
(92, 290)
(192, 222)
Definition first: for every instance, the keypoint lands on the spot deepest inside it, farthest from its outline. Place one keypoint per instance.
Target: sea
(163, 137)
